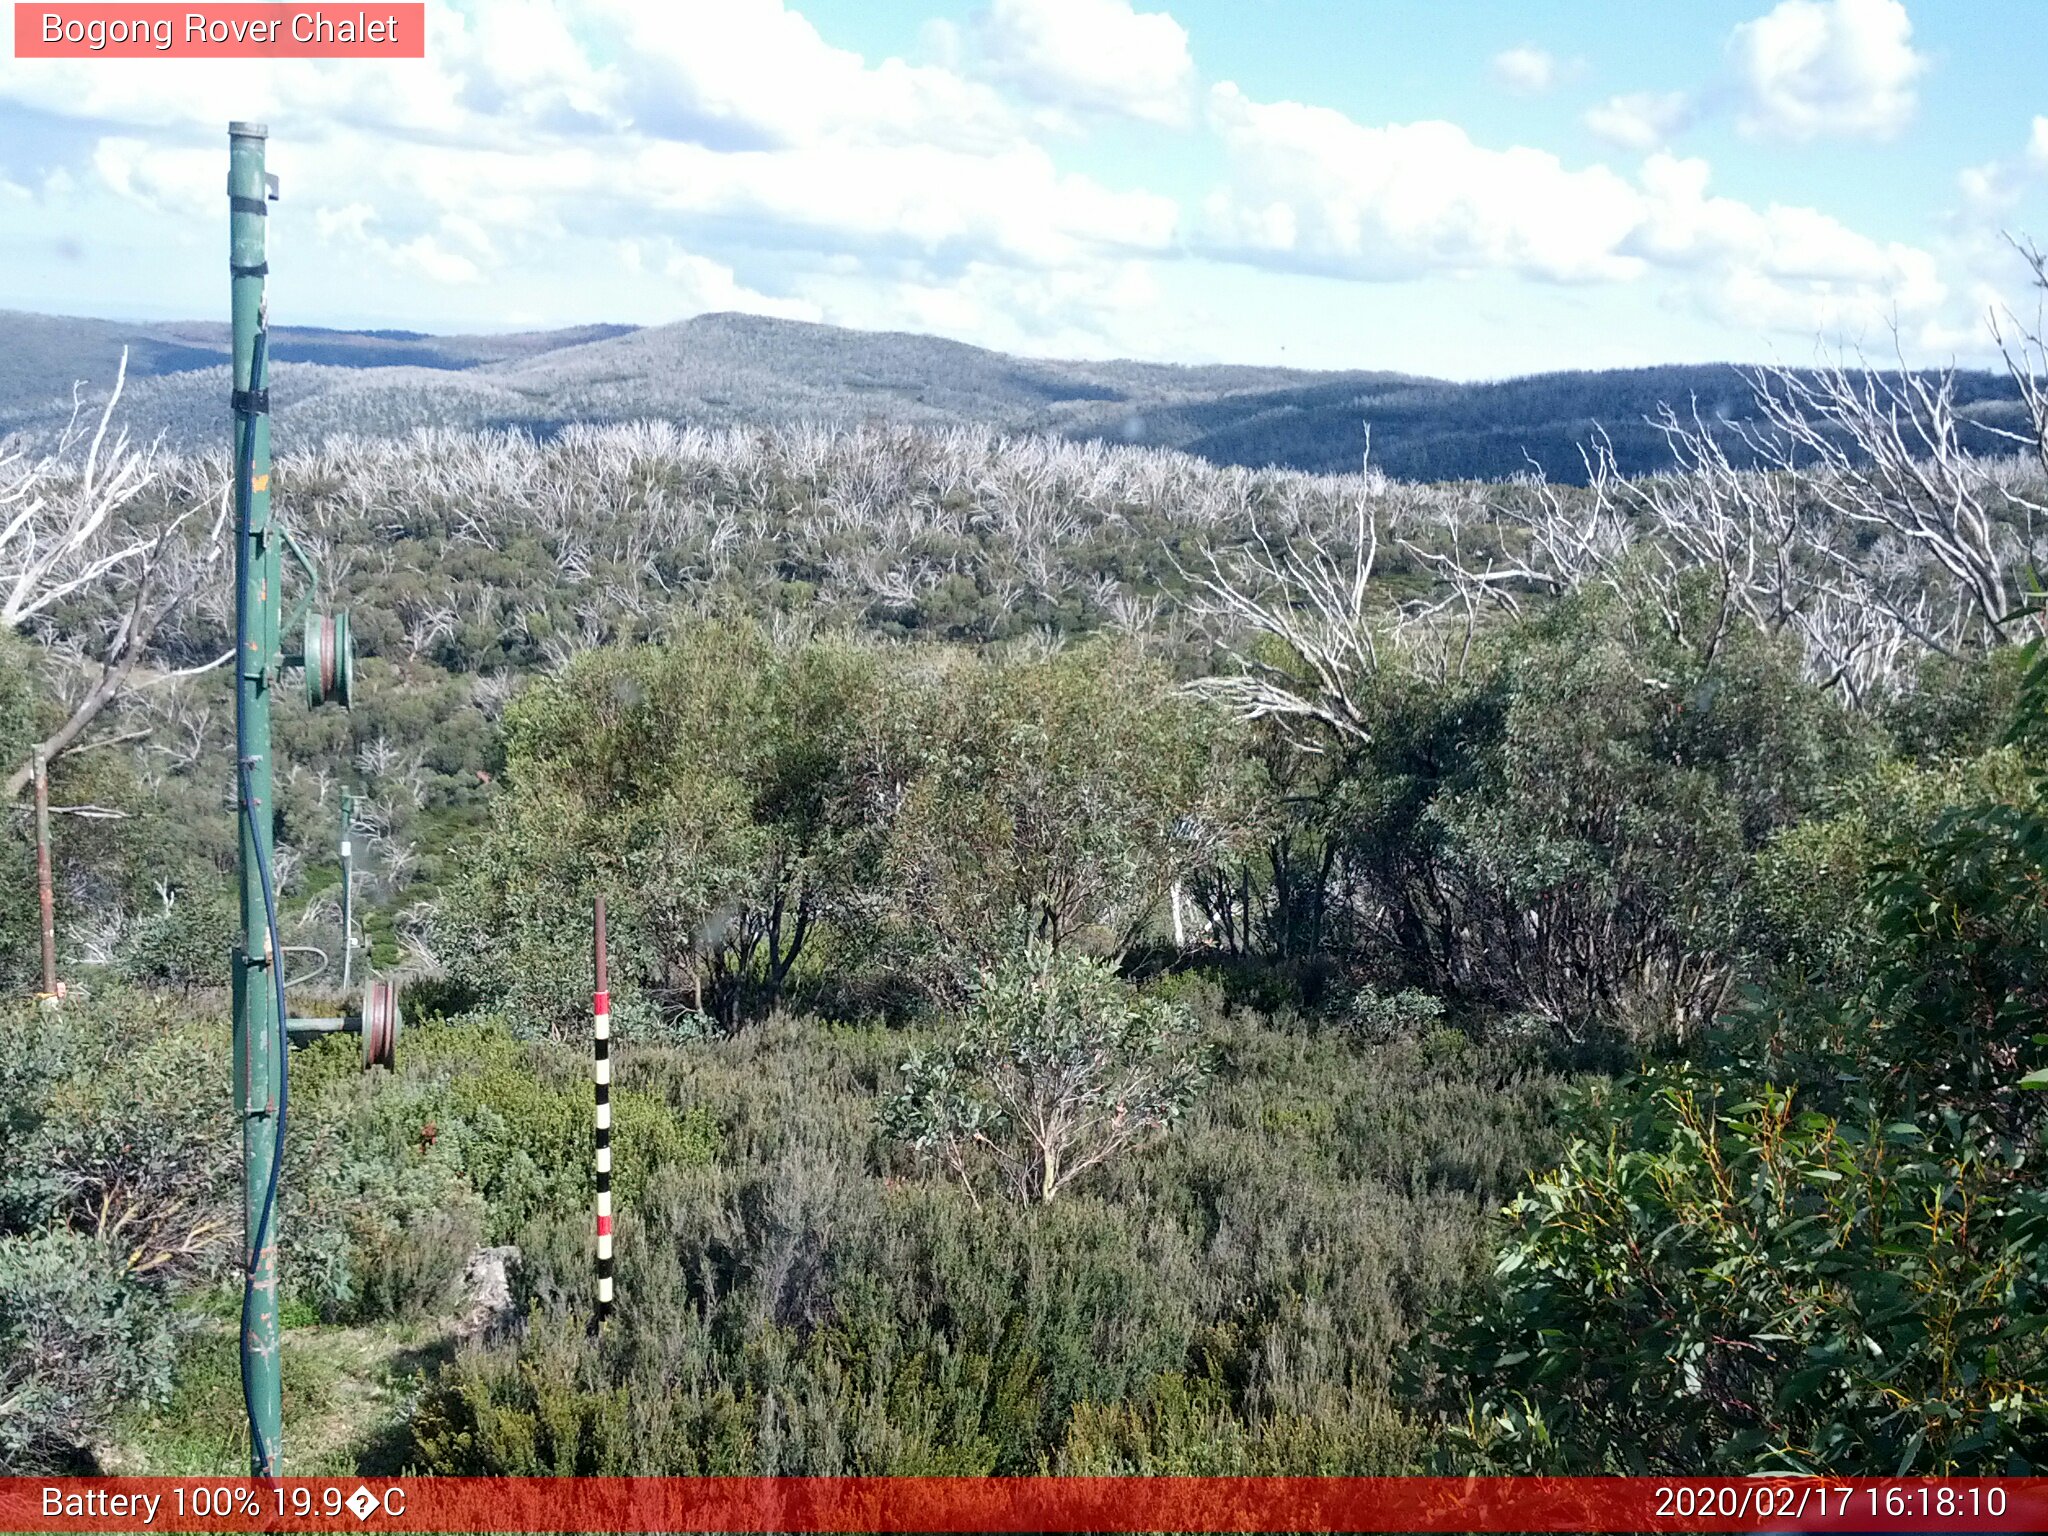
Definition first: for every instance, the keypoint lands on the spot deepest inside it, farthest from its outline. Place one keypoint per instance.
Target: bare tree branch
(65, 537)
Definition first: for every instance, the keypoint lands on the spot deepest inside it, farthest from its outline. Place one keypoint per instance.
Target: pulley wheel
(380, 1025)
(330, 660)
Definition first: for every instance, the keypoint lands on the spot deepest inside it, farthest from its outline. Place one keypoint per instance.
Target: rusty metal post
(44, 886)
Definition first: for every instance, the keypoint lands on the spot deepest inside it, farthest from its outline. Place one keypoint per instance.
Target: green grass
(346, 1395)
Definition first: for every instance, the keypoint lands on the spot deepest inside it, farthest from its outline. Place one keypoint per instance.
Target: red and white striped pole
(601, 1042)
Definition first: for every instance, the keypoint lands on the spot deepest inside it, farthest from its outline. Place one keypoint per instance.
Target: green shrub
(1198, 994)
(379, 1226)
(746, 802)
(1824, 1247)
(793, 1307)
(1044, 800)
(80, 1340)
(21, 706)
(1057, 1068)
(1568, 830)
(705, 787)
(1185, 1428)
(107, 1126)
(117, 1197)
(1745, 1286)
(395, 1180)
(187, 945)
(1380, 1018)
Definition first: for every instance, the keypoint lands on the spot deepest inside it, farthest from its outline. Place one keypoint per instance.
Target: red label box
(376, 1507)
(116, 31)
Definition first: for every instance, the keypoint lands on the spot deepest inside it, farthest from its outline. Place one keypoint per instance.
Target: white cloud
(1092, 55)
(694, 284)
(1640, 120)
(398, 97)
(1683, 224)
(1828, 68)
(1987, 190)
(351, 221)
(1313, 190)
(752, 73)
(721, 154)
(184, 181)
(1016, 206)
(755, 74)
(741, 113)
(699, 130)
(1779, 268)
(1111, 309)
(1987, 193)
(1525, 68)
(432, 258)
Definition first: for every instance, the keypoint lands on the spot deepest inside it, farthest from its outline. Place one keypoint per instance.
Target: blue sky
(1457, 188)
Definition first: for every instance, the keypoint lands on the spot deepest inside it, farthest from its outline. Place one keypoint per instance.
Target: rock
(487, 1284)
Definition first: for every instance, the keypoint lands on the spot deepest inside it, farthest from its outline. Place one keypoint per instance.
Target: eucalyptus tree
(1056, 1068)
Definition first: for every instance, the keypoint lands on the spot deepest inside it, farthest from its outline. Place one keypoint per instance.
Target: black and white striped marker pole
(601, 1022)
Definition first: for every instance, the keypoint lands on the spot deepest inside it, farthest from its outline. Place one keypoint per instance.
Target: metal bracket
(297, 616)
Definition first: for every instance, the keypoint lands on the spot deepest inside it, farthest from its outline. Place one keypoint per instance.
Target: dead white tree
(1488, 553)
(1297, 627)
(2024, 347)
(379, 759)
(1884, 452)
(66, 534)
(1859, 521)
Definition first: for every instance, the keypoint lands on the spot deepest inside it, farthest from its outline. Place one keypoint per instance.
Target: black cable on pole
(256, 1442)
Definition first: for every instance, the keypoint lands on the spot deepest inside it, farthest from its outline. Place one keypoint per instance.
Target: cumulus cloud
(1525, 68)
(1987, 190)
(1107, 309)
(727, 156)
(1828, 68)
(709, 134)
(1311, 189)
(180, 181)
(699, 285)
(1016, 205)
(1091, 55)
(1640, 120)
(435, 260)
(756, 74)
(404, 98)
(1780, 268)
(1315, 189)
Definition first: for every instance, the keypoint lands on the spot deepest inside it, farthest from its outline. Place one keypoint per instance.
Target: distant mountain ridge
(736, 369)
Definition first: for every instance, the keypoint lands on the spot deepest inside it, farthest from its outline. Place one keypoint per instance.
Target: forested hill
(728, 369)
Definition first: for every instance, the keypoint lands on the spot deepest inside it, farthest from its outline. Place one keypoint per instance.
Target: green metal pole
(258, 1051)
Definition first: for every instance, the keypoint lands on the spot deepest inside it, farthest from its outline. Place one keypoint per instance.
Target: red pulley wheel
(380, 1025)
(330, 660)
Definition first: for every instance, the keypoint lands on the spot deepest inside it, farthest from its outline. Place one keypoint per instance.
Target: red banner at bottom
(938, 1504)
